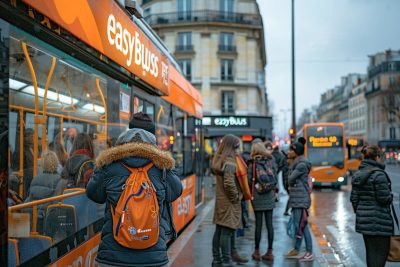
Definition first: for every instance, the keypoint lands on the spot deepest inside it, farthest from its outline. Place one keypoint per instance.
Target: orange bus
(326, 150)
(86, 69)
(354, 145)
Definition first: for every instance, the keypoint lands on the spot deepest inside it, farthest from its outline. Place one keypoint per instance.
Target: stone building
(220, 47)
(358, 110)
(383, 96)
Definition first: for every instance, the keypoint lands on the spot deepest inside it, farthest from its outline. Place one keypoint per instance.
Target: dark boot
(216, 263)
(268, 256)
(256, 255)
(236, 258)
(227, 264)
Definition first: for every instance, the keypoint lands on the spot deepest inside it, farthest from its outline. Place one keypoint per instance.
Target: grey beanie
(136, 135)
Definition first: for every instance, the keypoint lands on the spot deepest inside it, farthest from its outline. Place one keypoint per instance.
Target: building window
(184, 9)
(226, 41)
(186, 66)
(226, 70)
(392, 80)
(146, 12)
(392, 66)
(226, 10)
(227, 102)
(184, 41)
(226, 6)
(392, 133)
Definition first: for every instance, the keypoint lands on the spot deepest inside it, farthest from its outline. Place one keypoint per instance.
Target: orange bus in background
(354, 145)
(326, 150)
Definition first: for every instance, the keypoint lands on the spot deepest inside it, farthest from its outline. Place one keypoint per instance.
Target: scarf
(241, 176)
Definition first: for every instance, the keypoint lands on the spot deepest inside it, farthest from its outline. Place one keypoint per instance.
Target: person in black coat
(134, 148)
(371, 198)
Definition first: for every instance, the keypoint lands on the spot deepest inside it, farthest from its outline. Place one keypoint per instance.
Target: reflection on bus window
(325, 156)
(51, 117)
(164, 127)
(150, 110)
(138, 105)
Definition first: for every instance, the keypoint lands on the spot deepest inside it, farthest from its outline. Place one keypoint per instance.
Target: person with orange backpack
(136, 180)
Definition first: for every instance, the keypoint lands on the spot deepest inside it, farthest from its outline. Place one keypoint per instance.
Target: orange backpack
(136, 218)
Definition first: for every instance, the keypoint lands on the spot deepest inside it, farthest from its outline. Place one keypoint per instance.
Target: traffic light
(291, 134)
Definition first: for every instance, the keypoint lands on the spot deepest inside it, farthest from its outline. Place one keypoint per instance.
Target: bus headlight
(340, 179)
(313, 179)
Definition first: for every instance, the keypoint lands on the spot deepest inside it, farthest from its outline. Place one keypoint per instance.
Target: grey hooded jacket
(299, 195)
(371, 198)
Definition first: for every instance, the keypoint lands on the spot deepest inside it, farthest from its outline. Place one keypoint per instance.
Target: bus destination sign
(325, 141)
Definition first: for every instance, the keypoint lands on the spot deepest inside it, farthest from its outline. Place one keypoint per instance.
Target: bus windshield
(325, 146)
(326, 156)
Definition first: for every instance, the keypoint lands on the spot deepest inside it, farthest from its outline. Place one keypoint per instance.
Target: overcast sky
(333, 38)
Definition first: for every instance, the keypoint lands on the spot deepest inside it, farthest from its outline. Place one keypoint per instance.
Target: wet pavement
(333, 214)
(332, 224)
(194, 245)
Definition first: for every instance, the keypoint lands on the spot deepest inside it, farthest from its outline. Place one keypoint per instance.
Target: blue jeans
(296, 213)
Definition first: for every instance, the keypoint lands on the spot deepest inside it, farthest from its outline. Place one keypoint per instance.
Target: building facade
(221, 49)
(334, 104)
(383, 97)
(358, 110)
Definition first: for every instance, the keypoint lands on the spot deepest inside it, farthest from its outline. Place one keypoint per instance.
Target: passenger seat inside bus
(60, 221)
(31, 246)
(87, 211)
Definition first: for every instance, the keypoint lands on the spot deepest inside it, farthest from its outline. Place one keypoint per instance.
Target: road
(332, 212)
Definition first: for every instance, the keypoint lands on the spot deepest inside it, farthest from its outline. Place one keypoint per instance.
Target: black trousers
(270, 228)
(377, 249)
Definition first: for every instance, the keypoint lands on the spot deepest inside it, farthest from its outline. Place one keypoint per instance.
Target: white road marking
(355, 260)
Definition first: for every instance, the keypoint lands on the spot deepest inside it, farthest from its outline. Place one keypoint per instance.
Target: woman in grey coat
(262, 167)
(299, 199)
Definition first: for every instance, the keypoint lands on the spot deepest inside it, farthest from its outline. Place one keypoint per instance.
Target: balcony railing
(227, 48)
(204, 16)
(146, 2)
(227, 78)
(184, 48)
(384, 67)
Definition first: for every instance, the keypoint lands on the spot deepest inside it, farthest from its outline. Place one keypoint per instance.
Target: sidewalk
(194, 245)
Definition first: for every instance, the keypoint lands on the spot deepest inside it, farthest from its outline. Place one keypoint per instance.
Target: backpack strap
(145, 168)
(253, 178)
(78, 179)
(391, 205)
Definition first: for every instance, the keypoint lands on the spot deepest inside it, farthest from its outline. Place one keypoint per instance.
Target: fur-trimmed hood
(161, 159)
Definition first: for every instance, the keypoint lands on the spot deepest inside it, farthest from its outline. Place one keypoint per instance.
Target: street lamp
(293, 76)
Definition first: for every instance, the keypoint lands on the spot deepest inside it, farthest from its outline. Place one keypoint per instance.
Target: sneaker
(294, 253)
(307, 257)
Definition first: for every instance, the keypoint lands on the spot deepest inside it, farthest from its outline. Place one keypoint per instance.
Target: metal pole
(293, 76)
